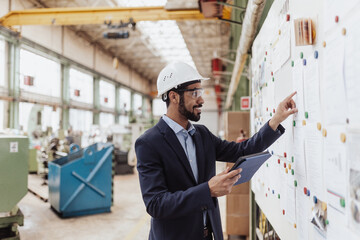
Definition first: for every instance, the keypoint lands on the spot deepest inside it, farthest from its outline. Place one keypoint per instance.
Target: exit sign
(245, 103)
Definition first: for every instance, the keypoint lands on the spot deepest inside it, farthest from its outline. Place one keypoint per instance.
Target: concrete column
(131, 112)
(96, 113)
(143, 106)
(117, 104)
(65, 95)
(14, 83)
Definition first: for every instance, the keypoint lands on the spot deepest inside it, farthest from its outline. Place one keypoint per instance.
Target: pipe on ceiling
(252, 17)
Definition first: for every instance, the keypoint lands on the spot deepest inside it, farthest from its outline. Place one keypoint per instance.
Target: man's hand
(285, 109)
(222, 183)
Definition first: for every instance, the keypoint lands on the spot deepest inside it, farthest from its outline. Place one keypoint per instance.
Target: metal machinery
(33, 163)
(120, 136)
(124, 143)
(54, 149)
(81, 183)
(13, 183)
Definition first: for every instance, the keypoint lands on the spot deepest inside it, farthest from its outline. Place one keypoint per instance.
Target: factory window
(39, 75)
(124, 120)
(2, 62)
(51, 118)
(137, 105)
(125, 100)
(80, 120)
(81, 86)
(159, 107)
(106, 120)
(25, 118)
(107, 94)
(36, 117)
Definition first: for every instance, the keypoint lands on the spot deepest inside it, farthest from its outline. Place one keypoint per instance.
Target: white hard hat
(174, 74)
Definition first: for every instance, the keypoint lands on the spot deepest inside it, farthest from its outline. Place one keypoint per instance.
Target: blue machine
(81, 183)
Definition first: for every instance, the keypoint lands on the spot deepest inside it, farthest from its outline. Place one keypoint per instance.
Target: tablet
(250, 164)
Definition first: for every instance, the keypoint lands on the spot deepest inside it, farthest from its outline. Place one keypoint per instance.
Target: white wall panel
(78, 49)
(47, 36)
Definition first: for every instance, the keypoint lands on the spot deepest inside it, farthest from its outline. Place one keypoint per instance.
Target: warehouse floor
(127, 221)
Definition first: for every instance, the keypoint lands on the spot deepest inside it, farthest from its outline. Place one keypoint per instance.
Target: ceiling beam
(86, 15)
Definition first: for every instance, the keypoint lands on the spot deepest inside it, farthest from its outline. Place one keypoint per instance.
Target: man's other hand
(222, 183)
(284, 110)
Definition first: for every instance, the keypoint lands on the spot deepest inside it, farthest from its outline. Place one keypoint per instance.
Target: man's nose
(200, 100)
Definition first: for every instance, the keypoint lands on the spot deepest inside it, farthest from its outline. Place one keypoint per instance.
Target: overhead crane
(87, 15)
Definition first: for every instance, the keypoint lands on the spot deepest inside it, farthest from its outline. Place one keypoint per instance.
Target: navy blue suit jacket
(171, 194)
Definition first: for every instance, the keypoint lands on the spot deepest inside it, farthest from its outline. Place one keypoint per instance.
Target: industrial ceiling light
(116, 35)
(121, 34)
(131, 24)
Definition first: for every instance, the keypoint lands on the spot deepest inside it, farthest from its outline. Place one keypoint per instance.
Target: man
(176, 160)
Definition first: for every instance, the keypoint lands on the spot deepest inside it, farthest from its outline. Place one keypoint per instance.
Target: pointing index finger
(290, 96)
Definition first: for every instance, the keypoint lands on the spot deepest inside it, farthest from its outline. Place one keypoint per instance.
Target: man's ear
(173, 97)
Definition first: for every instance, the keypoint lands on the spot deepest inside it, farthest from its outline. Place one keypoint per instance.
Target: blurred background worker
(176, 159)
(242, 136)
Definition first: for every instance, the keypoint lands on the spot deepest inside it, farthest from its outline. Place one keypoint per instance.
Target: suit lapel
(174, 143)
(200, 157)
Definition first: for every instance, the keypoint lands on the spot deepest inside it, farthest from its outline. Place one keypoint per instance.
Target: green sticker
(342, 202)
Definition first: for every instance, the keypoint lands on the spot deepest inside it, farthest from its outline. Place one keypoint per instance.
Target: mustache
(197, 106)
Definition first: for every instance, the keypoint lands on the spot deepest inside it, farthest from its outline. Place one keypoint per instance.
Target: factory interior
(79, 85)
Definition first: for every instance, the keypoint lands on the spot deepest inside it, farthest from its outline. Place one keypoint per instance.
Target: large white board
(315, 167)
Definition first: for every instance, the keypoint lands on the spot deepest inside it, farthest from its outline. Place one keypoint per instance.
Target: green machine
(33, 163)
(14, 155)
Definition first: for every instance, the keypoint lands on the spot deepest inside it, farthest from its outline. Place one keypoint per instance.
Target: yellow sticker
(324, 132)
(343, 137)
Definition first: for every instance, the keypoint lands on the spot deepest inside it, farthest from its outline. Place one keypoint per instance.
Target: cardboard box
(234, 122)
(237, 225)
(237, 214)
(243, 188)
(238, 204)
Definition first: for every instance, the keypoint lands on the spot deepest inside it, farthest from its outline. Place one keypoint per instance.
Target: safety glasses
(194, 93)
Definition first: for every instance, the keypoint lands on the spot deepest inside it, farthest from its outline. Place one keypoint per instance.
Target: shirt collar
(177, 127)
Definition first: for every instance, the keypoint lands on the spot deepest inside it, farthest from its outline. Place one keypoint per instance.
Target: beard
(186, 113)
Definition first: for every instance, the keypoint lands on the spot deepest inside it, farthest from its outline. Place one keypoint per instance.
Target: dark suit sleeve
(231, 151)
(160, 203)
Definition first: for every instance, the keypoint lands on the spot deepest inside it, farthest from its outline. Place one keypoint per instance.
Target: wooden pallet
(37, 187)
